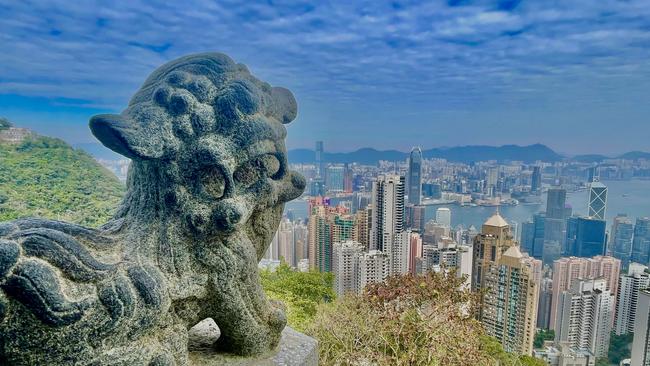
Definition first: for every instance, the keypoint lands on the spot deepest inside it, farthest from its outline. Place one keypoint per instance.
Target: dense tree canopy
(301, 292)
(45, 177)
(409, 320)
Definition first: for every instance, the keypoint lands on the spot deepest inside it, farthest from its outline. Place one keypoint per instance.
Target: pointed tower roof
(496, 220)
(513, 252)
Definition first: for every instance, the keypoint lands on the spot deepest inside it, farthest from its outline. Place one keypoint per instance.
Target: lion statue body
(205, 194)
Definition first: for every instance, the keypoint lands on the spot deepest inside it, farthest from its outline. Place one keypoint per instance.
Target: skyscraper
(320, 159)
(555, 224)
(585, 236)
(373, 267)
(443, 216)
(415, 176)
(637, 279)
(569, 269)
(336, 178)
(597, 200)
(532, 236)
(495, 238)
(584, 315)
(641, 242)
(345, 264)
(388, 210)
(327, 225)
(555, 203)
(621, 239)
(545, 302)
(509, 308)
(415, 217)
(641, 342)
(536, 184)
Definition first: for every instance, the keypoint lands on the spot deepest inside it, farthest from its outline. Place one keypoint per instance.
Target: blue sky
(574, 75)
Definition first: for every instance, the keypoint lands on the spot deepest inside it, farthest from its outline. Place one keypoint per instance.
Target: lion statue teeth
(205, 193)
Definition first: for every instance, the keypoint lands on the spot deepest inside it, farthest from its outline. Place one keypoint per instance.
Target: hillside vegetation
(45, 177)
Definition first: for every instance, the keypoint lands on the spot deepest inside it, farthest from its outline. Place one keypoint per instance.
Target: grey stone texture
(205, 194)
(295, 349)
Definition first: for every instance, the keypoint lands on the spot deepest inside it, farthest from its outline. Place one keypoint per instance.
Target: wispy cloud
(443, 55)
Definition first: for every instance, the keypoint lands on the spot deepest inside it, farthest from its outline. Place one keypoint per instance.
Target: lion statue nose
(229, 215)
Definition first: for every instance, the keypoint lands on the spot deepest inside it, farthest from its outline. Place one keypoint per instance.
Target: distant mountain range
(463, 154)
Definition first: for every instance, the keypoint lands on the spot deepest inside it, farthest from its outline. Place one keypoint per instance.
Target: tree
(619, 347)
(543, 335)
(408, 320)
(301, 292)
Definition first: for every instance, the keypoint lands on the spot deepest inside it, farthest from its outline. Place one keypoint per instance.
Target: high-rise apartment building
(495, 238)
(327, 225)
(584, 316)
(373, 267)
(621, 239)
(363, 225)
(345, 266)
(569, 269)
(585, 236)
(641, 342)
(443, 216)
(387, 212)
(509, 306)
(597, 200)
(414, 180)
(641, 241)
(637, 279)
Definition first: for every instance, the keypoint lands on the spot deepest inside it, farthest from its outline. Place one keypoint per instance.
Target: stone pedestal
(295, 349)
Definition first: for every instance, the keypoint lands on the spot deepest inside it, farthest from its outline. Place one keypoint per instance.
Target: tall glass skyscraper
(621, 239)
(597, 200)
(585, 236)
(641, 242)
(415, 176)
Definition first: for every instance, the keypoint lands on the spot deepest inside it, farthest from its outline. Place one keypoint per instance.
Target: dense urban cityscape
(577, 275)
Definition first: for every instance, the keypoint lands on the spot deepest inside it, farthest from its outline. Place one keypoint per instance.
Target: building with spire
(414, 180)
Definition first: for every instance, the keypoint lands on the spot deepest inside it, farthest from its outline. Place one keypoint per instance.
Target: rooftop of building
(496, 220)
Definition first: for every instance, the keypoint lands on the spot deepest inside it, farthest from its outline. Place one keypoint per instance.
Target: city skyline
(391, 76)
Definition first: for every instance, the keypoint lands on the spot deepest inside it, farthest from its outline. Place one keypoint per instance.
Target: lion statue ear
(125, 138)
(284, 107)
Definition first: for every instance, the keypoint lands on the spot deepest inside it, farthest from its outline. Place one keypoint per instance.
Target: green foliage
(502, 358)
(619, 347)
(301, 292)
(602, 361)
(408, 320)
(4, 123)
(45, 177)
(543, 335)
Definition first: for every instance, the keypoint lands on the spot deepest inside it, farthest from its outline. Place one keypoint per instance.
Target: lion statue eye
(253, 171)
(213, 182)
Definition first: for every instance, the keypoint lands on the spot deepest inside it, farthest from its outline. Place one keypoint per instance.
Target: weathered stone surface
(206, 189)
(295, 349)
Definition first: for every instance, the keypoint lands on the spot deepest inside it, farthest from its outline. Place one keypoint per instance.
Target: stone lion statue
(205, 194)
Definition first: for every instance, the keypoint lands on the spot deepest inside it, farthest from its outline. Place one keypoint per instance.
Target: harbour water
(631, 197)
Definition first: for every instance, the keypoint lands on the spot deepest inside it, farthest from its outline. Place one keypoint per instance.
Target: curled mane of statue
(205, 194)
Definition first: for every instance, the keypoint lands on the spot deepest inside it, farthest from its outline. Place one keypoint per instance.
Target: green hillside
(45, 177)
